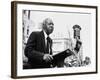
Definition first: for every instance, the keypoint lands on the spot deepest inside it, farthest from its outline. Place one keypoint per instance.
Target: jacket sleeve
(30, 50)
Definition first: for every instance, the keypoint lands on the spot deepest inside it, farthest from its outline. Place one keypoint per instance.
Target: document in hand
(62, 55)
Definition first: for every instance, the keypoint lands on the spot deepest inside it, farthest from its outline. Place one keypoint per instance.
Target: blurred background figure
(87, 61)
(76, 47)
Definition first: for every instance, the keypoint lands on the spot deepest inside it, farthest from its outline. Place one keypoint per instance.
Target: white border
(21, 72)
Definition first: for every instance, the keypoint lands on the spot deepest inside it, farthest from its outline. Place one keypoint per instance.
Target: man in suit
(38, 48)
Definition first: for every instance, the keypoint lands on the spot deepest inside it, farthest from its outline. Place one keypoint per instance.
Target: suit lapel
(43, 41)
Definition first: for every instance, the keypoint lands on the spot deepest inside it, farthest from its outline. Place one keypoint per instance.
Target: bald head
(47, 20)
(48, 26)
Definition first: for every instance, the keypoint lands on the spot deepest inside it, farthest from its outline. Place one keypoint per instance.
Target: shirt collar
(45, 34)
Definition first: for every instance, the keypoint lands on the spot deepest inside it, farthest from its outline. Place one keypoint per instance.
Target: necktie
(49, 43)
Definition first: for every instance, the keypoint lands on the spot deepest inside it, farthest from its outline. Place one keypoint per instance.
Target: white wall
(5, 40)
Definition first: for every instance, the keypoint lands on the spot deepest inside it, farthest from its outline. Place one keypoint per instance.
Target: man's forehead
(48, 20)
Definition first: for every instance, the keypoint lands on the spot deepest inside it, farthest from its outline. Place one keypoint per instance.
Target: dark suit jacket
(35, 50)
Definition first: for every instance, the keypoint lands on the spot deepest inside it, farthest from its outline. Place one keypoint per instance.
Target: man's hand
(47, 57)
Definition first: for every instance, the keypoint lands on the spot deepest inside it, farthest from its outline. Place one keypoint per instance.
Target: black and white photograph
(53, 39)
(40, 51)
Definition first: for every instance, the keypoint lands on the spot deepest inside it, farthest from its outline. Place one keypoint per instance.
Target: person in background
(87, 61)
(38, 49)
(76, 48)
